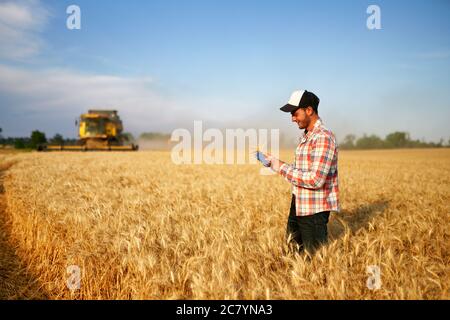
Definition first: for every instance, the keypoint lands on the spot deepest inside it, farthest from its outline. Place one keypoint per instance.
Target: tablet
(261, 158)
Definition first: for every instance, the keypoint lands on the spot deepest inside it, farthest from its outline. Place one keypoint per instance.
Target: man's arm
(322, 153)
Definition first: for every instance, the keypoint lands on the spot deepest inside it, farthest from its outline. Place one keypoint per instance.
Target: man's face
(302, 117)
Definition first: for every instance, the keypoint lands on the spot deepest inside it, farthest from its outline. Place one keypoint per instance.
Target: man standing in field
(313, 176)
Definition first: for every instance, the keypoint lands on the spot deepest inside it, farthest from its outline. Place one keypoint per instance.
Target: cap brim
(289, 108)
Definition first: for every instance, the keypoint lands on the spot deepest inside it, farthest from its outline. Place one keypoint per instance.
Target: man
(313, 176)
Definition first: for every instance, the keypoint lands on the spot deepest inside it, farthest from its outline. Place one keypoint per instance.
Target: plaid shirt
(314, 174)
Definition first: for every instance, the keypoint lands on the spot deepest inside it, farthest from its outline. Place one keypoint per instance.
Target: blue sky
(164, 64)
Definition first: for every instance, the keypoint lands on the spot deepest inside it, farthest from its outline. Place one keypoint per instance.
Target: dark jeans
(309, 232)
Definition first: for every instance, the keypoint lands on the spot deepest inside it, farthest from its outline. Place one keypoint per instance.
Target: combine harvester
(99, 130)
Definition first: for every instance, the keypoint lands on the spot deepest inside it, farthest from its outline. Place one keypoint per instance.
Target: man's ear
(310, 111)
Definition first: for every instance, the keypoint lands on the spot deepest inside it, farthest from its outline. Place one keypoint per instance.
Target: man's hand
(275, 164)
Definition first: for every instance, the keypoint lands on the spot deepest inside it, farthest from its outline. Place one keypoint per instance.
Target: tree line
(393, 140)
(37, 138)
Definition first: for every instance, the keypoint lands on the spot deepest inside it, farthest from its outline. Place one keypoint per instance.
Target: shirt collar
(316, 126)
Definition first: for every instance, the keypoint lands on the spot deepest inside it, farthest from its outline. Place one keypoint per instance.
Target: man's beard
(304, 125)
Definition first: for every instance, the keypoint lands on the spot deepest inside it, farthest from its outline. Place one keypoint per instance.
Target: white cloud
(20, 25)
(62, 93)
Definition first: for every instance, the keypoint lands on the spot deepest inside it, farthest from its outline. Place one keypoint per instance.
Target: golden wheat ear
(263, 147)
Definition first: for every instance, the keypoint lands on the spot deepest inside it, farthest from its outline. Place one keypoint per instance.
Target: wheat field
(140, 227)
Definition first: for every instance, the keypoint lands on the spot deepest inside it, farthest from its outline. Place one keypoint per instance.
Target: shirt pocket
(303, 157)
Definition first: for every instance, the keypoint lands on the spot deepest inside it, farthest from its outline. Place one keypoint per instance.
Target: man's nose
(294, 119)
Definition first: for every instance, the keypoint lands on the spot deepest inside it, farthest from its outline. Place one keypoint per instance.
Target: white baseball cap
(301, 99)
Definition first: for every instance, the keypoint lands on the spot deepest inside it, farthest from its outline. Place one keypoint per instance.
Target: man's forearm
(305, 179)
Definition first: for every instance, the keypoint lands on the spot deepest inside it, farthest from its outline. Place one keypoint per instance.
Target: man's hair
(315, 108)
